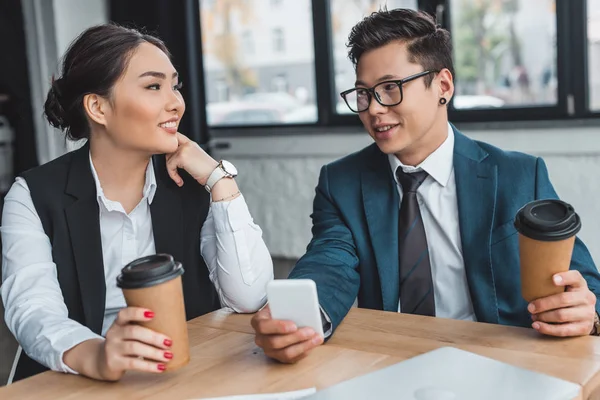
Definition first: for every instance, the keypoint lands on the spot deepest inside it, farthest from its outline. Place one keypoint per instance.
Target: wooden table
(225, 360)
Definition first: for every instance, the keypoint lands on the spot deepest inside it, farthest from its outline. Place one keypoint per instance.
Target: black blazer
(64, 195)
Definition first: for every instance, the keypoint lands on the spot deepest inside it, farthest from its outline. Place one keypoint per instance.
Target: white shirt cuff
(329, 331)
(67, 342)
(231, 216)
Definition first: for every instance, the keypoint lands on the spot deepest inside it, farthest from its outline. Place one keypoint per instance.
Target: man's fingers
(563, 330)
(278, 342)
(295, 352)
(563, 315)
(572, 278)
(273, 327)
(557, 301)
(264, 313)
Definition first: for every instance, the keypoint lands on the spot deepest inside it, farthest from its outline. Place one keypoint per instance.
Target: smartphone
(295, 300)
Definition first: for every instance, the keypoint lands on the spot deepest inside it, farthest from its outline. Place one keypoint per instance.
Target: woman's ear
(95, 107)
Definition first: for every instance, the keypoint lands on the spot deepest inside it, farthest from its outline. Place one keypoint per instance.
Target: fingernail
(149, 314)
(309, 333)
(168, 355)
(317, 340)
(536, 325)
(168, 342)
(290, 328)
(534, 317)
(531, 307)
(161, 367)
(558, 279)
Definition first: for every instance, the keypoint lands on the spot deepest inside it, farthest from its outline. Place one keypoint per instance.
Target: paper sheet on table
(297, 394)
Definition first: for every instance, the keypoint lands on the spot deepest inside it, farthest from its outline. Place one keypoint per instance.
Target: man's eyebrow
(383, 78)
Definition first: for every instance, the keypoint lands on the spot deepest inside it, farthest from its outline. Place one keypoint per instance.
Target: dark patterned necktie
(416, 285)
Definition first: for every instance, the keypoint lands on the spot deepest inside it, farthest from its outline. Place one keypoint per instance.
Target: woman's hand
(128, 346)
(190, 157)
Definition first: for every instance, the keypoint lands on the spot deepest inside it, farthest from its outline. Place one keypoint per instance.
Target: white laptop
(448, 373)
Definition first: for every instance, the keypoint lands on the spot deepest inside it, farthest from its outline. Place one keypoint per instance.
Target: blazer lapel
(476, 185)
(381, 203)
(83, 220)
(167, 213)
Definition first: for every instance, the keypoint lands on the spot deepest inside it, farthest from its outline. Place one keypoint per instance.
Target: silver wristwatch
(224, 169)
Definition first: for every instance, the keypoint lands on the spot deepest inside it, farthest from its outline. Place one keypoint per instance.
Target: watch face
(229, 168)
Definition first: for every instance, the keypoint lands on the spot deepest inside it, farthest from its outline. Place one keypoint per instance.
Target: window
(504, 53)
(593, 35)
(344, 15)
(222, 90)
(248, 43)
(248, 81)
(515, 60)
(278, 41)
(279, 83)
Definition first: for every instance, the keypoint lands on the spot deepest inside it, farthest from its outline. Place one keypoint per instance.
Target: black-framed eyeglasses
(387, 93)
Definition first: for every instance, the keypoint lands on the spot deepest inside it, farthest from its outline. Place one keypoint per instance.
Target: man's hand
(282, 340)
(570, 313)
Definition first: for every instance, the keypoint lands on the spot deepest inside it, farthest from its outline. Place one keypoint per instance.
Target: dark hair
(428, 44)
(92, 64)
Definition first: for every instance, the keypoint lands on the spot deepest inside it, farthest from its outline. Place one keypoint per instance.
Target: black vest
(64, 195)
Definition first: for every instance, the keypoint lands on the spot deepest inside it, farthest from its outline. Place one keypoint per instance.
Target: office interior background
(262, 81)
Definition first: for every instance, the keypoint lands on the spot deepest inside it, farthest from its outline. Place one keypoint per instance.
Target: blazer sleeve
(581, 259)
(331, 259)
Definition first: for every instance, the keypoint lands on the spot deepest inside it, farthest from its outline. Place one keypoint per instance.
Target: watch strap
(217, 174)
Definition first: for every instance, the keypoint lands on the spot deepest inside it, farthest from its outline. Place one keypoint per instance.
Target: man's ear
(445, 84)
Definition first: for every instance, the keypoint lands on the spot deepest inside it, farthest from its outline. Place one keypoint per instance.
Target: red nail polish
(168, 355)
(149, 314)
(161, 367)
(168, 342)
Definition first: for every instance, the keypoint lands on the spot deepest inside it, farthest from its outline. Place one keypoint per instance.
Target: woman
(70, 225)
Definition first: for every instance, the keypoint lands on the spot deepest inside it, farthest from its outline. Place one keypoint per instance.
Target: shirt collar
(149, 183)
(438, 164)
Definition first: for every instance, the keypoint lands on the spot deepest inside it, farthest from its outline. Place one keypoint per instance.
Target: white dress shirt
(238, 260)
(439, 209)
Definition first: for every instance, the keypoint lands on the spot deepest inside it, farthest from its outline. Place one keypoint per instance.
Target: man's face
(403, 128)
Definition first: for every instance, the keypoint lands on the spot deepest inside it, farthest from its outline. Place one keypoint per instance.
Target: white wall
(278, 176)
(72, 17)
(50, 26)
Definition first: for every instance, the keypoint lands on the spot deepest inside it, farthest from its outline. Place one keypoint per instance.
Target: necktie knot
(410, 181)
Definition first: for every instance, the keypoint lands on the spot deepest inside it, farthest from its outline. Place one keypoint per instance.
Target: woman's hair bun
(53, 109)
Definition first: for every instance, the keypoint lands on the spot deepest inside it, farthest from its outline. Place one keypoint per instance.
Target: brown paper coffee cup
(154, 282)
(547, 230)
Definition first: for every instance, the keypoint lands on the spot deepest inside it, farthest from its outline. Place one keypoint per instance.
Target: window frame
(572, 73)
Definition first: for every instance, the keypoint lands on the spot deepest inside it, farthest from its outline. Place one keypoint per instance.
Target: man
(422, 220)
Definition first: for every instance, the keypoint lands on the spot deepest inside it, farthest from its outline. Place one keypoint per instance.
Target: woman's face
(146, 105)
